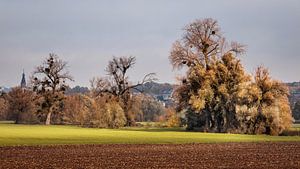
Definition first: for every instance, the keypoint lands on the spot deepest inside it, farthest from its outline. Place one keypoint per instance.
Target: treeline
(215, 95)
(110, 102)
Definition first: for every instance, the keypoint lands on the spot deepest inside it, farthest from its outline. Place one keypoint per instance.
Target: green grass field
(13, 135)
(296, 126)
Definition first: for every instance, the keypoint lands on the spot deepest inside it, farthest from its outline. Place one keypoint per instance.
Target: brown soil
(226, 155)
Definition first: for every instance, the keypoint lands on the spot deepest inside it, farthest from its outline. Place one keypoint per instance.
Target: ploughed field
(210, 155)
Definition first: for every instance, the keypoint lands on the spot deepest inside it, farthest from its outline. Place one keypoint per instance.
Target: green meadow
(16, 135)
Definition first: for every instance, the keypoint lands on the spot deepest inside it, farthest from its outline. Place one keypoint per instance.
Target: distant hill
(156, 88)
(160, 91)
(77, 90)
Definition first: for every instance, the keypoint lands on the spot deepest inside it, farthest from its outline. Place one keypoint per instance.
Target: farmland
(31, 146)
(225, 155)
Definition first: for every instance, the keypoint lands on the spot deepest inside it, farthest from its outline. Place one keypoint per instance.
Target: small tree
(3, 107)
(49, 82)
(117, 84)
(173, 120)
(21, 107)
(265, 108)
(151, 109)
(108, 113)
(273, 110)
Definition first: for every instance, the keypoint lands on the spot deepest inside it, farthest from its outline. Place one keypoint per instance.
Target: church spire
(23, 81)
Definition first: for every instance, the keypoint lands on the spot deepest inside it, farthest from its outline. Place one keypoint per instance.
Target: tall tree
(49, 82)
(118, 85)
(208, 92)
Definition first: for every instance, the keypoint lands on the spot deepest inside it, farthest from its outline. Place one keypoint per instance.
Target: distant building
(23, 81)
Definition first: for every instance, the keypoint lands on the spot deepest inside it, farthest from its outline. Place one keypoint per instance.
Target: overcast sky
(87, 33)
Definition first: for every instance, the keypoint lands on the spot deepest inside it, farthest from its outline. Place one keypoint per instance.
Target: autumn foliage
(217, 95)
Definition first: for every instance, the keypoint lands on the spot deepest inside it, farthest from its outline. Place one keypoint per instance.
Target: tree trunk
(258, 120)
(207, 121)
(206, 61)
(48, 120)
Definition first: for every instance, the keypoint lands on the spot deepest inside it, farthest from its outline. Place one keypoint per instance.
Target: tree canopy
(216, 85)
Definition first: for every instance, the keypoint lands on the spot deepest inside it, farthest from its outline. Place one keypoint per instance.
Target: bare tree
(201, 42)
(117, 83)
(49, 81)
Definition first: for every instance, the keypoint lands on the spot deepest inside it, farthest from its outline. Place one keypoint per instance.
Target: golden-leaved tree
(209, 91)
(216, 87)
(266, 108)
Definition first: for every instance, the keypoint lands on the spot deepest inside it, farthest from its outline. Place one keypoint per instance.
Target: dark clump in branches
(117, 85)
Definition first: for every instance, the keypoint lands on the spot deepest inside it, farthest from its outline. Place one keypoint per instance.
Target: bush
(170, 119)
(78, 109)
